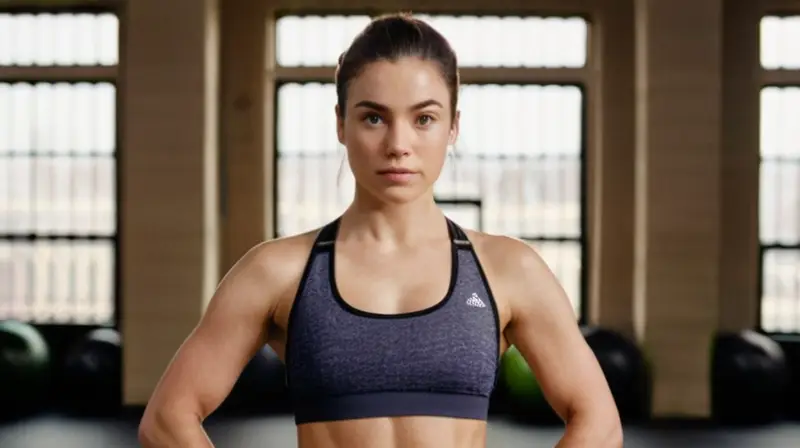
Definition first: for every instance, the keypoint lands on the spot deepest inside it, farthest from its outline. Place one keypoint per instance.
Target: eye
(424, 120)
(373, 119)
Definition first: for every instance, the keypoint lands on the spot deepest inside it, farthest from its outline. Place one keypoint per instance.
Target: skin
(393, 240)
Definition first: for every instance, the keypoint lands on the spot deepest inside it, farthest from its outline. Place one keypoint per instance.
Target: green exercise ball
(523, 392)
(24, 368)
(518, 379)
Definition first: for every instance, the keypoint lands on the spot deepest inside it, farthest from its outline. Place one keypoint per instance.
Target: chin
(398, 195)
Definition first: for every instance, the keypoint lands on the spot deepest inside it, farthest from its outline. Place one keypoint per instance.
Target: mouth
(398, 176)
(396, 171)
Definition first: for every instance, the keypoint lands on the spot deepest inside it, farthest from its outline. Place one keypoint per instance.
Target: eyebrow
(383, 108)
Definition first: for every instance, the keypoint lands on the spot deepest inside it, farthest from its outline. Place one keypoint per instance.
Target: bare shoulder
(270, 268)
(281, 257)
(518, 275)
(510, 257)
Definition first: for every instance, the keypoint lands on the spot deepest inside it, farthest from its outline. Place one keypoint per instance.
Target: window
(779, 214)
(493, 41)
(59, 39)
(780, 43)
(779, 225)
(516, 171)
(57, 171)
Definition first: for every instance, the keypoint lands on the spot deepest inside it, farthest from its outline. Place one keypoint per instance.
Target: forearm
(173, 431)
(595, 431)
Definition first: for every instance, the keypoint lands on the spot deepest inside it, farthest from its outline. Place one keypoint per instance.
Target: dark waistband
(391, 404)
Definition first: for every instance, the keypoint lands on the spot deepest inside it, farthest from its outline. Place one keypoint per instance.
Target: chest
(401, 282)
(450, 345)
(381, 285)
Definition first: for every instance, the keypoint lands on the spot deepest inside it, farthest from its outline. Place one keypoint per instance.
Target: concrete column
(611, 167)
(169, 207)
(677, 227)
(245, 155)
(739, 245)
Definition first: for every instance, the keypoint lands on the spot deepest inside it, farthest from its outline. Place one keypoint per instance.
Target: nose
(399, 139)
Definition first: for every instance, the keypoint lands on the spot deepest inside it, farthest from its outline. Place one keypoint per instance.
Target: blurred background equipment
(750, 378)
(24, 369)
(625, 369)
(92, 373)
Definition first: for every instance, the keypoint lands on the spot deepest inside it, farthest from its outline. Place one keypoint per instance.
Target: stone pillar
(168, 162)
(611, 168)
(739, 240)
(677, 225)
(245, 155)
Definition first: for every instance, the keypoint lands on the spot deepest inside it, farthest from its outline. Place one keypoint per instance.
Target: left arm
(544, 329)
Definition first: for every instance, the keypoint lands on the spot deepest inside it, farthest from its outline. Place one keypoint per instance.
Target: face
(397, 128)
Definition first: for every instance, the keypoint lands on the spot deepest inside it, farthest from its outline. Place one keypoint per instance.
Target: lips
(396, 171)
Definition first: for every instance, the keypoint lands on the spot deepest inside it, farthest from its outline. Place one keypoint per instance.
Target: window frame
(772, 78)
(579, 77)
(90, 74)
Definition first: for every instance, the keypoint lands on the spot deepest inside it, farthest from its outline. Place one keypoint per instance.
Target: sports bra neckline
(328, 237)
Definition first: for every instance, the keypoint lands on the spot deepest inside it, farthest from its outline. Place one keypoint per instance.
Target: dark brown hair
(389, 38)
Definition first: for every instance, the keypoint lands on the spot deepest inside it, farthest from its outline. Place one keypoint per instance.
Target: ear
(454, 129)
(339, 125)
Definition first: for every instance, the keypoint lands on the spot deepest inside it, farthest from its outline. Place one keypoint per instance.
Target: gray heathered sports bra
(343, 363)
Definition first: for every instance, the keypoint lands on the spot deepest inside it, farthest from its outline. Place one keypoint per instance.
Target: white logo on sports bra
(475, 301)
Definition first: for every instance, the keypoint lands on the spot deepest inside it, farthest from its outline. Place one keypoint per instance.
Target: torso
(413, 281)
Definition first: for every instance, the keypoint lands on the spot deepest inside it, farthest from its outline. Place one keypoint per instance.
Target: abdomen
(398, 432)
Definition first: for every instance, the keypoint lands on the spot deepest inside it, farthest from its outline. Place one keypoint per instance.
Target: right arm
(209, 362)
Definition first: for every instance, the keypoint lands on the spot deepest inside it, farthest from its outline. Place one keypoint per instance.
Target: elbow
(151, 431)
(162, 428)
(608, 430)
(154, 429)
(602, 428)
(147, 434)
(614, 437)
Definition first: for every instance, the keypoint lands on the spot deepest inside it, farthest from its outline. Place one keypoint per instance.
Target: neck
(395, 224)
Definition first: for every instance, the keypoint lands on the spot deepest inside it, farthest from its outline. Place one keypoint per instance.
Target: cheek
(434, 151)
(361, 146)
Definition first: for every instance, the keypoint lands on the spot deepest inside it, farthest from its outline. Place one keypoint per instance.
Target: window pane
(313, 182)
(315, 41)
(780, 166)
(780, 42)
(57, 180)
(780, 304)
(57, 166)
(57, 195)
(57, 281)
(478, 41)
(495, 41)
(523, 161)
(58, 118)
(59, 39)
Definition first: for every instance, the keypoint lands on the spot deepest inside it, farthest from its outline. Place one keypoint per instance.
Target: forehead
(398, 84)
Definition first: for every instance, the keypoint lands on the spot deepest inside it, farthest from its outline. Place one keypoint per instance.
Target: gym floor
(279, 431)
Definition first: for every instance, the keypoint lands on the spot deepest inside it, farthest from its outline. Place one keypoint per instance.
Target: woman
(391, 319)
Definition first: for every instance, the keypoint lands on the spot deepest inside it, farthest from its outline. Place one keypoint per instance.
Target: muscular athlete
(391, 319)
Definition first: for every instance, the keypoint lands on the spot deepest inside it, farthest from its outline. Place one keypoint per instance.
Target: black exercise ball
(749, 378)
(93, 373)
(261, 387)
(625, 370)
(24, 369)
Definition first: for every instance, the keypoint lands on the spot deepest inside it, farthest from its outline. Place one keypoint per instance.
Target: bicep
(208, 363)
(544, 329)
